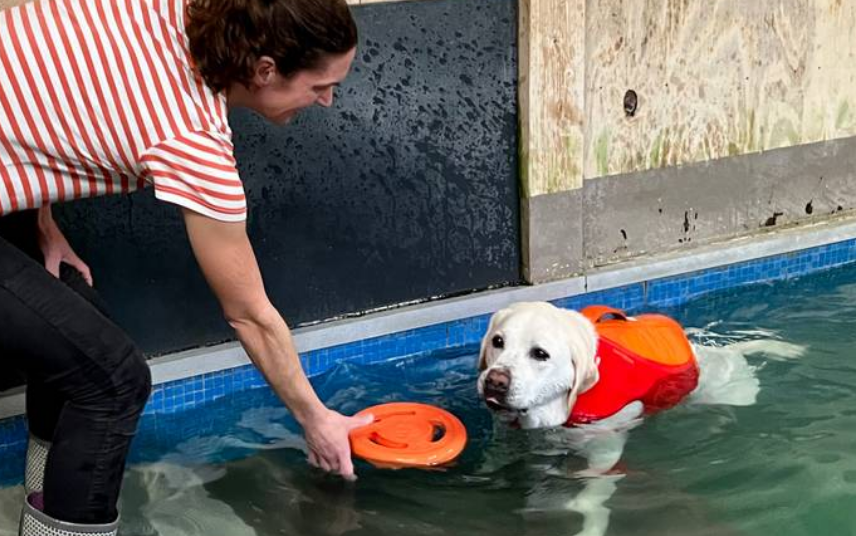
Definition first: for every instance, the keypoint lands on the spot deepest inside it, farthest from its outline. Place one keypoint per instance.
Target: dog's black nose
(497, 382)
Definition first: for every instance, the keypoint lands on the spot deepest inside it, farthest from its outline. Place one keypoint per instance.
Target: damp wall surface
(405, 190)
(658, 126)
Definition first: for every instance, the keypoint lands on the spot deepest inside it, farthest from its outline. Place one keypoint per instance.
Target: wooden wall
(551, 95)
(716, 79)
(712, 79)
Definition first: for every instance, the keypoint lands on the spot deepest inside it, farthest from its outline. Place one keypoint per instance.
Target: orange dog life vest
(646, 358)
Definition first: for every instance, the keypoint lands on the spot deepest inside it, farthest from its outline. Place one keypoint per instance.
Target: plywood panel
(552, 61)
(715, 79)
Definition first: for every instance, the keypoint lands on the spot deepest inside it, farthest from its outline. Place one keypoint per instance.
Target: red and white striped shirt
(99, 97)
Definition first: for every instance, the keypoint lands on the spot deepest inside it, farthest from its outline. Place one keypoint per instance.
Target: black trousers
(87, 383)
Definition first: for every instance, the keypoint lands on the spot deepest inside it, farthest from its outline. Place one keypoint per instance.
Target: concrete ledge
(722, 254)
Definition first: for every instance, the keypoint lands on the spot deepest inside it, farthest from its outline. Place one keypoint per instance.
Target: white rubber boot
(37, 456)
(34, 522)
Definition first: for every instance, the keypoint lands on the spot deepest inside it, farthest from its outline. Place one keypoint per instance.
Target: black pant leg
(61, 340)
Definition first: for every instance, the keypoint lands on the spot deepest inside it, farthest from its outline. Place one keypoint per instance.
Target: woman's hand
(227, 260)
(327, 439)
(56, 249)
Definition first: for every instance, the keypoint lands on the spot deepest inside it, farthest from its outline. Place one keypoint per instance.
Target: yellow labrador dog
(536, 359)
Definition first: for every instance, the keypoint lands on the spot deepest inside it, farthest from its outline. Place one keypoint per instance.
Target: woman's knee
(141, 387)
(133, 384)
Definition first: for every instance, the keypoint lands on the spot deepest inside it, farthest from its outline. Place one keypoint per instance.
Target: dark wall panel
(406, 189)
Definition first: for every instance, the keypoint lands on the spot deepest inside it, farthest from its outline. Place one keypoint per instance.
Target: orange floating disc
(407, 434)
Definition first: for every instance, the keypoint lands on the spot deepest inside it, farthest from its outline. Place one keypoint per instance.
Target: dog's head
(535, 359)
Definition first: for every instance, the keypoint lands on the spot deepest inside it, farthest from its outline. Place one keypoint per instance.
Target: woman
(106, 96)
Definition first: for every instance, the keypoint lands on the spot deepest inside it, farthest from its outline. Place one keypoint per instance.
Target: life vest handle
(599, 313)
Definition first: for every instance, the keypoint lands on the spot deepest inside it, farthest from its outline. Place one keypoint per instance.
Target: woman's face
(279, 98)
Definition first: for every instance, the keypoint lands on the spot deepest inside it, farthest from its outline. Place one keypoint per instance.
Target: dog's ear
(582, 342)
(486, 340)
(589, 380)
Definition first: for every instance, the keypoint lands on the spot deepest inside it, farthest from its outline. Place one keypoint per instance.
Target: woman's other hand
(56, 249)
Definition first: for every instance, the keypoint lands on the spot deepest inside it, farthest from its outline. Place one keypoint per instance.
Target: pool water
(785, 465)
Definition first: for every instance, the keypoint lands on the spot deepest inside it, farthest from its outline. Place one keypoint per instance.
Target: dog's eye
(498, 342)
(539, 354)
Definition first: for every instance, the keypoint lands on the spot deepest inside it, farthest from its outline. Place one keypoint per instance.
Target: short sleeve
(197, 171)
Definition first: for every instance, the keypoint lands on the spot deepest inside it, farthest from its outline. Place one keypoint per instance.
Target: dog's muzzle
(497, 383)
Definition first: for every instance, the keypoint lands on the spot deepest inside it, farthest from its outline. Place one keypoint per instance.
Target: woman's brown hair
(226, 37)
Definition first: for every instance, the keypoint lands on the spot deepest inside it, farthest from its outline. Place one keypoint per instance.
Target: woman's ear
(264, 72)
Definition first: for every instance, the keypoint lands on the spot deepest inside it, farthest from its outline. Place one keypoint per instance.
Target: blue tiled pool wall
(13, 448)
(174, 397)
(680, 289)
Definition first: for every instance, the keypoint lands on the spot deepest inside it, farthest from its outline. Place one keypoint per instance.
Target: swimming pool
(784, 465)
